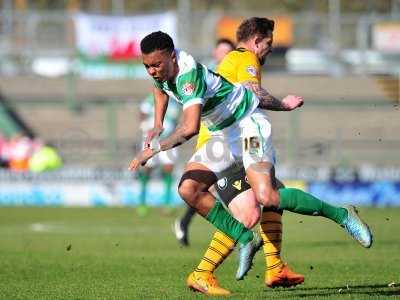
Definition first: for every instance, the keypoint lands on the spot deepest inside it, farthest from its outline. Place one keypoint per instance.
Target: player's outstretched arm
(291, 102)
(186, 129)
(268, 101)
(141, 158)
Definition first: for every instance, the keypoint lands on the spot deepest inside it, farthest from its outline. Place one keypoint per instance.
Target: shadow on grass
(368, 290)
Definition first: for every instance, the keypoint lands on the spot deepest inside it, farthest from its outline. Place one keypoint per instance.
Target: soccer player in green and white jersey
(164, 159)
(181, 225)
(240, 133)
(178, 76)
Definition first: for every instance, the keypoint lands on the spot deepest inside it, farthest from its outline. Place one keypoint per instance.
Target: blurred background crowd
(71, 84)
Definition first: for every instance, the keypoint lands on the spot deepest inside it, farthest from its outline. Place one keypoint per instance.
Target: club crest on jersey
(251, 70)
(222, 183)
(188, 88)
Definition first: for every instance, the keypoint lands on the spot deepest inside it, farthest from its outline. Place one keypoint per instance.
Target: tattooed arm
(187, 128)
(267, 101)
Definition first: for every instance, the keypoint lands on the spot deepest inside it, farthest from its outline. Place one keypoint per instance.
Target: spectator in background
(23, 151)
(21, 154)
(19, 150)
(222, 47)
(181, 226)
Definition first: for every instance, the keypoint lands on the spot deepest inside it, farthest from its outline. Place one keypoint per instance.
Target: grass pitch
(111, 253)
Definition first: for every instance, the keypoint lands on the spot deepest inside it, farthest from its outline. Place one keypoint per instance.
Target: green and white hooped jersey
(223, 103)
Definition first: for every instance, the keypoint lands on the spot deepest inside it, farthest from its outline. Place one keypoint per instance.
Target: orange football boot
(284, 278)
(207, 285)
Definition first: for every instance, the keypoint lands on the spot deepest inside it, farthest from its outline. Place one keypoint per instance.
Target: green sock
(167, 178)
(297, 201)
(144, 179)
(221, 219)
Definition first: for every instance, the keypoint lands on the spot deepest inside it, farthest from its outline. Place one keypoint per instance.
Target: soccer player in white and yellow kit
(243, 66)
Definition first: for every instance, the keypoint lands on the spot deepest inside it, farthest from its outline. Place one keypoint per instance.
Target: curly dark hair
(250, 27)
(157, 40)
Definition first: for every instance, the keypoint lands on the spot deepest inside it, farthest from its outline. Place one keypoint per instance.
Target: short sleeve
(249, 69)
(191, 87)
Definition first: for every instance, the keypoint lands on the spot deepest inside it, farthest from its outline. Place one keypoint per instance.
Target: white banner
(386, 37)
(118, 38)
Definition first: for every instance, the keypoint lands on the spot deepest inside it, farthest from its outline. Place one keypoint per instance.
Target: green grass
(110, 253)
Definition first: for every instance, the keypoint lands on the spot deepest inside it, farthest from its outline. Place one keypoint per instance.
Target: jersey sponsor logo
(237, 185)
(188, 88)
(251, 70)
(222, 183)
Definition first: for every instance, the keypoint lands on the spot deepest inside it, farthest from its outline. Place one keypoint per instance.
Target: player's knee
(268, 197)
(188, 190)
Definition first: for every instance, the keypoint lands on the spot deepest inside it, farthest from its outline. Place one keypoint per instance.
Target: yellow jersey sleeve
(240, 65)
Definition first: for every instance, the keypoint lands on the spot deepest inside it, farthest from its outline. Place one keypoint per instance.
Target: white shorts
(249, 141)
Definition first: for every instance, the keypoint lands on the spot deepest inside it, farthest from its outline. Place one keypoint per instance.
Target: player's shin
(249, 242)
(271, 234)
(300, 202)
(219, 249)
(223, 221)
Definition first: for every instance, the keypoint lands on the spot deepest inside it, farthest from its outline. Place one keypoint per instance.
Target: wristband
(155, 144)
